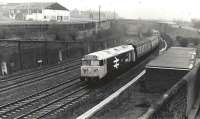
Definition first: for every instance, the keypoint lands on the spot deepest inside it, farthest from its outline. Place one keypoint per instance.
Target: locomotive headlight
(95, 70)
(85, 70)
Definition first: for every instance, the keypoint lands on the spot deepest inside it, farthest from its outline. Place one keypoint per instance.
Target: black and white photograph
(99, 59)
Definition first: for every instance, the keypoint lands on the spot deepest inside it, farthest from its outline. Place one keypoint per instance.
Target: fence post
(4, 68)
(60, 57)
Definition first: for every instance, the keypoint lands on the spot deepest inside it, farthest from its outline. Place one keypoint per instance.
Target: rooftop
(108, 53)
(36, 5)
(177, 58)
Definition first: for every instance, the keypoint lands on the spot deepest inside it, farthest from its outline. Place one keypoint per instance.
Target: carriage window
(92, 62)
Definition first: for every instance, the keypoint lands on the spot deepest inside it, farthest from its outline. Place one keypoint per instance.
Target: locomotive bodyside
(99, 64)
(119, 63)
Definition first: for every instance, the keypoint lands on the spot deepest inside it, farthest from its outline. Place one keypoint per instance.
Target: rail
(33, 71)
(37, 78)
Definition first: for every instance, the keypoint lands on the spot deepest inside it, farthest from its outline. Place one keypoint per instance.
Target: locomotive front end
(92, 68)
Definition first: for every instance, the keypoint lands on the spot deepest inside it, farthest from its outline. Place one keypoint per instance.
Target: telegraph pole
(99, 14)
(114, 15)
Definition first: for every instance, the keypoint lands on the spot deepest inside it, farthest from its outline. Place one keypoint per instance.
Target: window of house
(59, 18)
(39, 11)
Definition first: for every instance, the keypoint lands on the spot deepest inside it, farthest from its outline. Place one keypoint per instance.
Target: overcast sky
(147, 9)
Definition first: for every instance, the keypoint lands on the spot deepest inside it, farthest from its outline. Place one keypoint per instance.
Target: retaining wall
(178, 101)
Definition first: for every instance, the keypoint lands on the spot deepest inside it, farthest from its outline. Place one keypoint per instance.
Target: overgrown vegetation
(187, 42)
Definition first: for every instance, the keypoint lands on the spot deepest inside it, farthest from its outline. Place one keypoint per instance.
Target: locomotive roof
(177, 58)
(141, 42)
(111, 52)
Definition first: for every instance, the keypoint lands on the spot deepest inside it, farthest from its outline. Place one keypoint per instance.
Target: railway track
(26, 72)
(29, 105)
(56, 105)
(39, 71)
(6, 85)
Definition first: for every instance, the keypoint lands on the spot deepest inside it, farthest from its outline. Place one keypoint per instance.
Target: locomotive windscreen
(90, 57)
(92, 62)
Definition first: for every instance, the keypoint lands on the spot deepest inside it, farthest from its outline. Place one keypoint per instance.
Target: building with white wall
(39, 12)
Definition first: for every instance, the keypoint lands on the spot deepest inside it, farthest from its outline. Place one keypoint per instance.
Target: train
(98, 65)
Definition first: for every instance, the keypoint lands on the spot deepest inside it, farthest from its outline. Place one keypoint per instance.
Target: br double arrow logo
(116, 63)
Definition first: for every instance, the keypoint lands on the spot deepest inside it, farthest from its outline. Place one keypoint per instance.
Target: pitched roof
(177, 58)
(111, 52)
(38, 5)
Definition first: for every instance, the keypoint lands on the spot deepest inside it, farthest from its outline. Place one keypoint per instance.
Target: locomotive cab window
(92, 62)
(101, 62)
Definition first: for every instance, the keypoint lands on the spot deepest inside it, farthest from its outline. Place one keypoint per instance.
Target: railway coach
(145, 46)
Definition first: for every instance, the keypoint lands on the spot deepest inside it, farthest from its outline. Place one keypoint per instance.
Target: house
(39, 11)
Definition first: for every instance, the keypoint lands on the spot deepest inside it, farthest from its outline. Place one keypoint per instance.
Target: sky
(135, 9)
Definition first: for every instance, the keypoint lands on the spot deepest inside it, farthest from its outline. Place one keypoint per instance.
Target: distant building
(38, 11)
(92, 15)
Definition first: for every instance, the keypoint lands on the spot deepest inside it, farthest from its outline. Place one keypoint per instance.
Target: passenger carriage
(142, 47)
(145, 46)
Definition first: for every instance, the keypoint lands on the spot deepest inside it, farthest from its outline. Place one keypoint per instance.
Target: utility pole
(99, 14)
(91, 15)
(114, 15)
